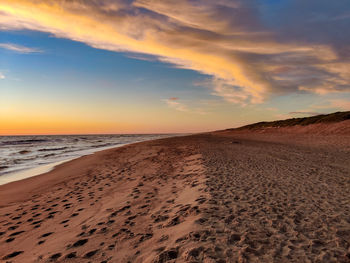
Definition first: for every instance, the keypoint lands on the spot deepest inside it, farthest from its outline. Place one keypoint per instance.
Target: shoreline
(21, 174)
(30, 172)
(48, 167)
(56, 169)
(213, 197)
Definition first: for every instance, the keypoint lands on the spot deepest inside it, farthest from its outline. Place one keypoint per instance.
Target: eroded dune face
(205, 198)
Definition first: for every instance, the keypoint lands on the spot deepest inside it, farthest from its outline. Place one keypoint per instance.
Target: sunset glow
(112, 66)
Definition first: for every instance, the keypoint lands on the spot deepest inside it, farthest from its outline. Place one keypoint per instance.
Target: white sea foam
(25, 156)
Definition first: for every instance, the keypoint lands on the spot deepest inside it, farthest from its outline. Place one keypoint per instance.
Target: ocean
(21, 153)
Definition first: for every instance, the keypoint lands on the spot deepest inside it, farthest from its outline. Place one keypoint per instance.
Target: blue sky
(135, 66)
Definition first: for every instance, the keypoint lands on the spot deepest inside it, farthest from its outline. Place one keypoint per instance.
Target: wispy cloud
(142, 57)
(310, 113)
(19, 48)
(2, 76)
(296, 114)
(175, 104)
(332, 105)
(248, 58)
(340, 104)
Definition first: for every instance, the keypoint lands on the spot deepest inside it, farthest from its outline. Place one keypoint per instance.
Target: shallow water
(20, 156)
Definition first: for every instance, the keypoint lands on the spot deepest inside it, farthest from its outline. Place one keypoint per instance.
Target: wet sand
(217, 197)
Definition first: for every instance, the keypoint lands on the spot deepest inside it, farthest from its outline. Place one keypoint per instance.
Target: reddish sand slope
(219, 197)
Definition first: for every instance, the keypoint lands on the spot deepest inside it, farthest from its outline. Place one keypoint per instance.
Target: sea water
(25, 156)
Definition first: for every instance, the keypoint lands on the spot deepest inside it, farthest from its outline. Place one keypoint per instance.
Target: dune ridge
(326, 123)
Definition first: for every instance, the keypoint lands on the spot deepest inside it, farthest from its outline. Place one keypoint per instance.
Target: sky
(165, 66)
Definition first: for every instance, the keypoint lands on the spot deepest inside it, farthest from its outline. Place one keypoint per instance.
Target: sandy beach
(217, 197)
(173, 131)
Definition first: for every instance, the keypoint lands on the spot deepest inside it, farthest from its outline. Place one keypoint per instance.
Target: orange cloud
(224, 39)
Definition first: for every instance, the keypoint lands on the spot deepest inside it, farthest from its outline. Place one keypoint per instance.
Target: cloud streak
(19, 48)
(175, 104)
(2, 76)
(340, 104)
(230, 40)
(311, 113)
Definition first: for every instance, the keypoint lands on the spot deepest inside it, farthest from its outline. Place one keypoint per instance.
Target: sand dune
(219, 197)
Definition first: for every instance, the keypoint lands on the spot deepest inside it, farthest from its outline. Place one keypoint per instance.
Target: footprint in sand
(12, 255)
(167, 255)
(12, 227)
(80, 243)
(16, 233)
(47, 234)
(91, 253)
(55, 256)
(71, 255)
